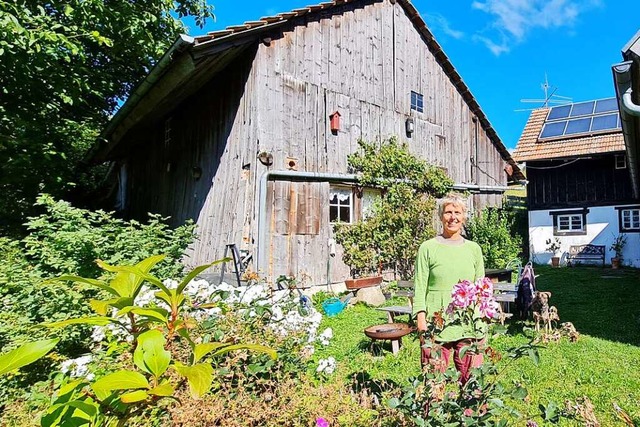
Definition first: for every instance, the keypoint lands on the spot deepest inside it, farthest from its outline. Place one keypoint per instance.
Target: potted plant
(553, 246)
(617, 246)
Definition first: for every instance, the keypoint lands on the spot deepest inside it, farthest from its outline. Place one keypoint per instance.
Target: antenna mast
(550, 97)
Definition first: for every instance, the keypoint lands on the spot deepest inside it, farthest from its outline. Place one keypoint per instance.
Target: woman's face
(452, 219)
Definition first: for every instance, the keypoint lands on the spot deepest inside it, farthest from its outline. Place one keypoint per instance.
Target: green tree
(64, 67)
(496, 232)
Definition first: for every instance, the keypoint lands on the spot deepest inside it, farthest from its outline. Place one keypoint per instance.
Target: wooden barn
(579, 190)
(247, 130)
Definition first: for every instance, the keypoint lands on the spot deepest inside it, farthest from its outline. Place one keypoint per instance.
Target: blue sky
(503, 48)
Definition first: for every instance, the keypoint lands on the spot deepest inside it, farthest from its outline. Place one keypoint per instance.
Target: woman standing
(441, 263)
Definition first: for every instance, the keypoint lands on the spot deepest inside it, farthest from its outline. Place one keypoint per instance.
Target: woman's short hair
(452, 199)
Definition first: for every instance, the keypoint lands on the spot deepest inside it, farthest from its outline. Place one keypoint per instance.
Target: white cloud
(439, 22)
(495, 48)
(515, 19)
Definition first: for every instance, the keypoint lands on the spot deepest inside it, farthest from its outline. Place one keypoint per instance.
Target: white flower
(78, 367)
(326, 336)
(327, 366)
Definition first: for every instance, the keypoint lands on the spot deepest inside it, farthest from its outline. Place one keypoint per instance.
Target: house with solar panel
(247, 130)
(580, 189)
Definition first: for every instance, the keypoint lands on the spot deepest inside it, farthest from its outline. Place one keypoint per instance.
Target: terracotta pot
(363, 282)
(555, 261)
(615, 263)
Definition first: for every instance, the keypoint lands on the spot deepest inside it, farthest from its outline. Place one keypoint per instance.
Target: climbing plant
(402, 218)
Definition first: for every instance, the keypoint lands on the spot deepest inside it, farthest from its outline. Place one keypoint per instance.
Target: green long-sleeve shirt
(439, 266)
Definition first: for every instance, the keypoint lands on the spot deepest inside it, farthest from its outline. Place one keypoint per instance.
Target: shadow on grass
(362, 381)
(600, 302)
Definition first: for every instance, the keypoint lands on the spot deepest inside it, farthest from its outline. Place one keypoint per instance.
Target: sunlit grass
(603, 365)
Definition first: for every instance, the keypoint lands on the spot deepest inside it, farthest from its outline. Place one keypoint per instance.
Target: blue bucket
(332, 306)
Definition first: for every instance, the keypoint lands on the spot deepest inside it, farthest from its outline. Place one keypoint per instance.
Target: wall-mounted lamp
(409, 126)
(265, 158)
(335, 122)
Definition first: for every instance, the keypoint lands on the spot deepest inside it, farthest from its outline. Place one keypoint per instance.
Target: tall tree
(64, 67)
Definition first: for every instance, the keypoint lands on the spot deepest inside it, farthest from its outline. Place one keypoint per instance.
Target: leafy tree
(64, 67)
(496, 232)
(403, 216)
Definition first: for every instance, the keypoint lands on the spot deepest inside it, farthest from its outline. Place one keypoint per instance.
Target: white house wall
(602, 228)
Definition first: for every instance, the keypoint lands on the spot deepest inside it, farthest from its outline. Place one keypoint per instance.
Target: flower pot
(555, 261)
(615, 263)
(363, 282)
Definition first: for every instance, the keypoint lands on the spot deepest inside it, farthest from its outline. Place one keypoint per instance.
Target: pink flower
(468, 412)
(463, 294)
(489, 308)
(321, 422)
(485, 287)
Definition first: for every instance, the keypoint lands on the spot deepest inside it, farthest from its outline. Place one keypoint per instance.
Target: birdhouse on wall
(335, 122)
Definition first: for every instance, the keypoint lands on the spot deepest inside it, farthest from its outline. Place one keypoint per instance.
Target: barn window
(417, 102)
(341, 204)
(621, 161)
(567, 223)
(629, 219)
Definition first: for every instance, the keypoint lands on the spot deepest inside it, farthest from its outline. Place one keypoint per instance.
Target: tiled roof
(529, 148)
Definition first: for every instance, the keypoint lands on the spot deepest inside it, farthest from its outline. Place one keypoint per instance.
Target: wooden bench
(504, 292)
(586, 253)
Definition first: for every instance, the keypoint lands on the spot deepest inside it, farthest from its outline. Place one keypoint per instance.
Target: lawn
(602, 365)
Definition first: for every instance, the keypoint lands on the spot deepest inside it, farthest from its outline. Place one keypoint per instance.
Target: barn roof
(234, 37)
(532, 147)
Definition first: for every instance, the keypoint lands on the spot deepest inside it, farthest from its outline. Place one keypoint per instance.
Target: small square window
(341, 205)
(417, 102)
(570, 223)
(630, 220)
(621, 161)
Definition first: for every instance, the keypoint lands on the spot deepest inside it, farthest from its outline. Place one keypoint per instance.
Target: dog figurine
(542, 313)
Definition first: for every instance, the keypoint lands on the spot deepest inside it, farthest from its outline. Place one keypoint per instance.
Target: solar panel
(578, 126)
(582, 109)
(609, 121)
(553, 129)
(606, 105)
(559, 112)
(582, 118)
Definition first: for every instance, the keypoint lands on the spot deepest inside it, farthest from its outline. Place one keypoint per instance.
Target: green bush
(68, 240)
(495, 231)
(401, 219)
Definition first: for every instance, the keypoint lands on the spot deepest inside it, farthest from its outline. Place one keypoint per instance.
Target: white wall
(602, 228)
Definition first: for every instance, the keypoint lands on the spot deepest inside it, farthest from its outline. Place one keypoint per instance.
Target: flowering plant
(472, 302)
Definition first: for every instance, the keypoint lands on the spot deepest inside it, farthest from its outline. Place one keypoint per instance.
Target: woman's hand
(421, 321)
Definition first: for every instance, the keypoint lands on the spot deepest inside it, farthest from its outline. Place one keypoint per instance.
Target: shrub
(493, 229)
(65, 239)
(401, 219)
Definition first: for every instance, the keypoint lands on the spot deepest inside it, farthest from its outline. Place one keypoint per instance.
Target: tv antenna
(550, 97)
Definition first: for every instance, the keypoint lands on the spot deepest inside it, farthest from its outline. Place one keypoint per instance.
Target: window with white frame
(621, 161)
(340, 204)
(417, 102)
(569, 222)
(630, 219)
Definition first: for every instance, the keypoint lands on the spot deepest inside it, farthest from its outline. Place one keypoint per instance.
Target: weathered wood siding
(584, 183)
(363, 62)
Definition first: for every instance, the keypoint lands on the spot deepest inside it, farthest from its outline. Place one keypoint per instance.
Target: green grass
(604, 306)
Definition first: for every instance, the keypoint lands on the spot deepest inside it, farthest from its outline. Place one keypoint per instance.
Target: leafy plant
(25, 355)
(493, 230)
(553, 246)
(618, 244)
(117, 396)
(401, 218)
